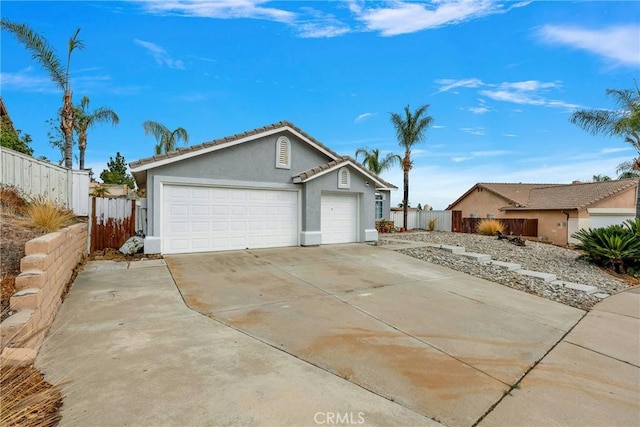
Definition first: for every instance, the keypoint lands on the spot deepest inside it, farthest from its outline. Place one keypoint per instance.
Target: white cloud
(221, 9)
(363, 116)
(400, 17)
(490, 153)
(510, 135)
(478, 131)
(479, 110)
(27, 82)
(614, 150)
(160, 55)
(438, 127)
(317, 24)
(460, 159)
(448, 84)
(619, 44)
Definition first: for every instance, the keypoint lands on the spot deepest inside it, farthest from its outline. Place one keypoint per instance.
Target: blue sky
(501, 79)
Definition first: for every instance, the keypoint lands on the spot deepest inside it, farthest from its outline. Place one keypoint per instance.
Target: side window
(283, 153)
(344, 178)
(379, 206)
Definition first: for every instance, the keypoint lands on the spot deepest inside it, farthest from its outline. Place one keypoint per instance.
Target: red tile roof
(553, 196)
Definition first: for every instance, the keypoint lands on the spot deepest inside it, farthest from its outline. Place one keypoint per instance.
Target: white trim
(297, 180)
(611, 211)
(221, 146)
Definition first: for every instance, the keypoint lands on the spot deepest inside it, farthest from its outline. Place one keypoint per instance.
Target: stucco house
(268, 187)
(561, 209)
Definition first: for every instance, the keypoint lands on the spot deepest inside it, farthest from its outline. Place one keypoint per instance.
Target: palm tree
(166, 139)
(371, 160)
(49, 61)
(624, 121)
(85, 120)
(600, 178)
(410, 130)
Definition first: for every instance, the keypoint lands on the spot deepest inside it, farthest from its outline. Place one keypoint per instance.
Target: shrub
(12, 201)
(615, 246)
(489, 227)
(432, 224)
(46, 215)
(100, 191)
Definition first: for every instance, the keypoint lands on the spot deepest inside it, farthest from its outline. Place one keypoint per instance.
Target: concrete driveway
(437, 342)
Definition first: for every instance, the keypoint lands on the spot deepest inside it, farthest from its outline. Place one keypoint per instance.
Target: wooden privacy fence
(113, 221)
(512, 226)
(39, 178)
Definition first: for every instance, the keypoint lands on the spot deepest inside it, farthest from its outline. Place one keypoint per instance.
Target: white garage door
(601, 221)
(339, 218)
(203, 219)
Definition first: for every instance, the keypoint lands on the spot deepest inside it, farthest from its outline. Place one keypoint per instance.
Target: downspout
(567, 214)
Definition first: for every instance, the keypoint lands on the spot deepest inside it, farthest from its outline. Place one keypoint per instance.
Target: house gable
(184, 153)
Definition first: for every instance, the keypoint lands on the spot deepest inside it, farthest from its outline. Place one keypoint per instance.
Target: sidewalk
(591, 378)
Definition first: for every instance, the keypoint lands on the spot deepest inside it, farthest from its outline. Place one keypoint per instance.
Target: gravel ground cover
(546, 258)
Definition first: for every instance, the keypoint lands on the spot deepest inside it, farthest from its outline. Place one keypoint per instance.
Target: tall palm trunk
(67, 116)
(405, 200)
(82, 147)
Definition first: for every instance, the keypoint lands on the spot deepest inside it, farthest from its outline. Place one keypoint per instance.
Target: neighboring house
(268, 187)
(561, 209)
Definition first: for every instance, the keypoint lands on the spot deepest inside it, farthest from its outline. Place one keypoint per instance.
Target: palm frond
(40, 49)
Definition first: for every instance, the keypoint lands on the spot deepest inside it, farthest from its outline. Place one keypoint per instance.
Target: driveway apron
(438, 342)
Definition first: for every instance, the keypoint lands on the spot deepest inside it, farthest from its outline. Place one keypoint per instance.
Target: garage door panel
(199, 219)
(339, 218)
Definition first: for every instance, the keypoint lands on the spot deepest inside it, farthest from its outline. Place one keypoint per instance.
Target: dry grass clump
(27, 399)
(489, 227)
(12, 201)
(432, 224)
(46, 215)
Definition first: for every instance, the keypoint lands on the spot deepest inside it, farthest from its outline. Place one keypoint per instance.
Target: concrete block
(476, 257)
(36, 262)
(18, 356)
(576, 286)
(509, 266)
(44, 244)
(452, 249)
(26, 298)
(31, 279)
(15, 325)
(545, 277)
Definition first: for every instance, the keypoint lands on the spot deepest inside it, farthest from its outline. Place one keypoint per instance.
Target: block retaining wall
(45, 271)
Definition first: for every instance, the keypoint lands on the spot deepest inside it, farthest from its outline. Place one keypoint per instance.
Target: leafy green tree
(12, 138)
(44, 54)
(116, 172)
(56, 138)
(371, 160)
(410, 130)
(85, 120)
(167, 139)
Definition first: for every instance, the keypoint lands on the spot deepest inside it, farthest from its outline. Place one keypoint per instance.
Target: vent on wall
(283, 153)
(344, 178)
